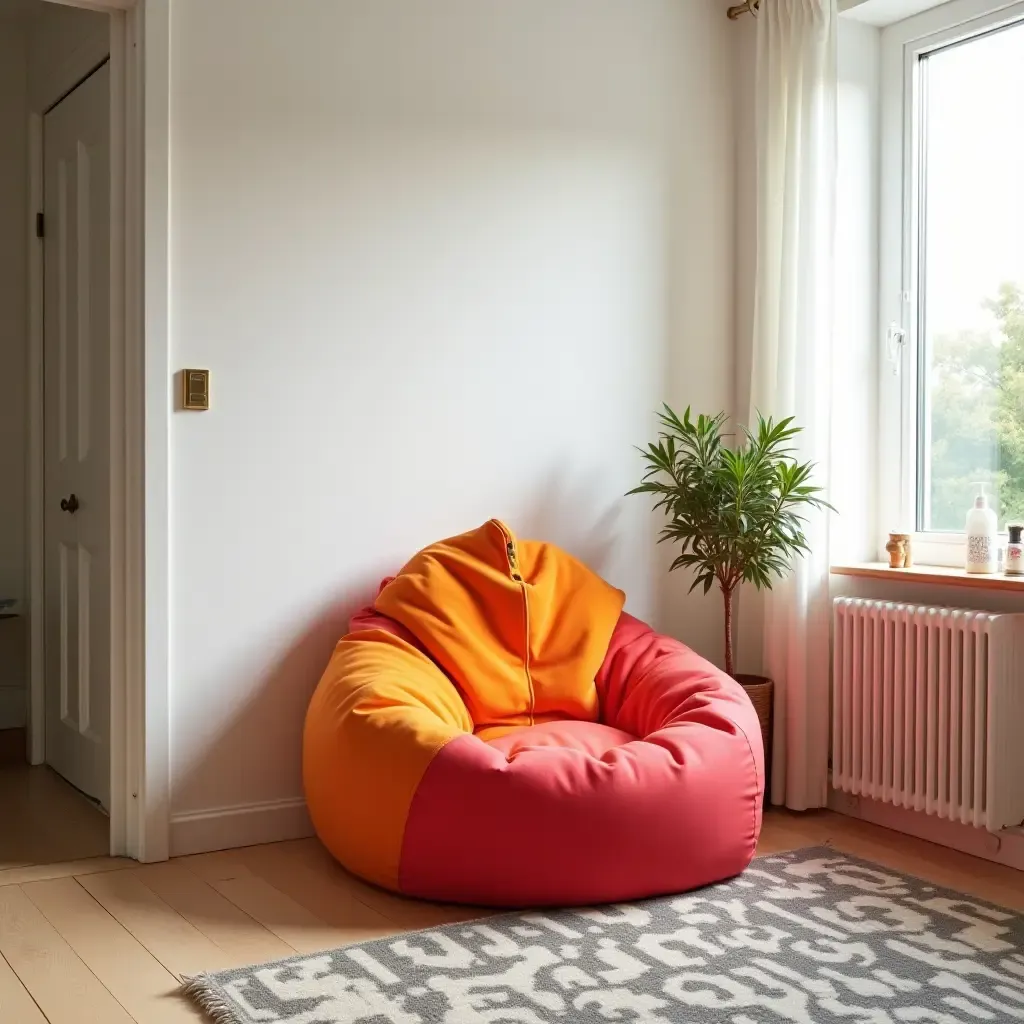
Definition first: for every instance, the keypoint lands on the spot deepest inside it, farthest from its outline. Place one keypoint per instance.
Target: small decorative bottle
(1014, 565)
(981, 537)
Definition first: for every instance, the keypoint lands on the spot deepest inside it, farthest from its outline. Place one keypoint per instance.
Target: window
(953, 302)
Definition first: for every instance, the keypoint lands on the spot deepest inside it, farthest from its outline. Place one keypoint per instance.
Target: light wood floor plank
(327, 897)
(64, 988)
(16, 1005)
(242, 938)
(778, 836)
(63, 869)
(46, 820)
(136, 979)
(401, 909)
(73, 944)
(405, 912)
(180, 947)
(290, 921)
(984, 879)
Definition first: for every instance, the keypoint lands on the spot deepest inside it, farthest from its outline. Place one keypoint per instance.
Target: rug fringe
(204, 993)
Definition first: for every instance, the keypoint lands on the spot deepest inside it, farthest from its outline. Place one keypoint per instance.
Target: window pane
(971, 299)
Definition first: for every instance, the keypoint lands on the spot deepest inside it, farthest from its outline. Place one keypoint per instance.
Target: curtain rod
(747, 7)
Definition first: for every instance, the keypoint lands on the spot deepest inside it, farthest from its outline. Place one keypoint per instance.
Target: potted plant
(737, 513)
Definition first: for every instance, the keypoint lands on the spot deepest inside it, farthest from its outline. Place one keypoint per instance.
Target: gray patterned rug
(812, 936)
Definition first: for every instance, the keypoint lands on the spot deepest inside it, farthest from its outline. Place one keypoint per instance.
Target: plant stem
(727, 593)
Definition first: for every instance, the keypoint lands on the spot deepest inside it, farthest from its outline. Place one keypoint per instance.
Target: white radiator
(928, 709)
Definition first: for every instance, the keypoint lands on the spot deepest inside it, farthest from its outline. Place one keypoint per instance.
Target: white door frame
(139, 433)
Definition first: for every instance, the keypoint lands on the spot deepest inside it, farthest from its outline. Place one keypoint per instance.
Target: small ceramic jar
(898, 549)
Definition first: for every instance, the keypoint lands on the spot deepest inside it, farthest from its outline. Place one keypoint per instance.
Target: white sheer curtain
(791, 366)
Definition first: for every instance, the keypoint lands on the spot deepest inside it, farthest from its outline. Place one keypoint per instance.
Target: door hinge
(40, 225)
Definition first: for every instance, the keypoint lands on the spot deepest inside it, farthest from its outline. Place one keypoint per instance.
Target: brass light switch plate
(195, 386)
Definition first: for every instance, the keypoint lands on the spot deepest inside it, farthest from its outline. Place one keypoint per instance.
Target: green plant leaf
(736, 505)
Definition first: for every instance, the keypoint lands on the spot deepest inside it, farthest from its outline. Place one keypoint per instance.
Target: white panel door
(76, 381)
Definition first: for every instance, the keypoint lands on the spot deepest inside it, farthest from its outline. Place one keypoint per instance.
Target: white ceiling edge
(884, 12)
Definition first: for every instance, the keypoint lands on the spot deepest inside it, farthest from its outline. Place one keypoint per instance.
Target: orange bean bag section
(496, 730)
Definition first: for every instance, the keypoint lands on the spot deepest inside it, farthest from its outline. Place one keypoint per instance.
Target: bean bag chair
(495, 730)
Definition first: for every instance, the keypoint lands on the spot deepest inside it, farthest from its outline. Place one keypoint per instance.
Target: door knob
(69, 504)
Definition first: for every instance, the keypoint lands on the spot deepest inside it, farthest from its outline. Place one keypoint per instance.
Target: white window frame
(902, 45)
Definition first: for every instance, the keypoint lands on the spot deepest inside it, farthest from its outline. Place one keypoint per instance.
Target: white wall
(443, 261)
(13, 335)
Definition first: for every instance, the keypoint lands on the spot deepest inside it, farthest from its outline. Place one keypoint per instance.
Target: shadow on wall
(567, 513)
(616, 539)
(288, 683)
(563, 513)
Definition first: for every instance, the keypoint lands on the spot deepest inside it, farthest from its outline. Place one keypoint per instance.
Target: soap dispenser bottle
(981, 536)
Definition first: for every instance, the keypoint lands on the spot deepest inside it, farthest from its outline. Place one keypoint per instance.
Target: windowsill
(936, 574)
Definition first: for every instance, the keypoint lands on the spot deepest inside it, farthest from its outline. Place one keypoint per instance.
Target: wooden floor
(44, 820)
(106, 941)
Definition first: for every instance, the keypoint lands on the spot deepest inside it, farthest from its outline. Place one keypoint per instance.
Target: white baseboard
(224, 828)
(12, 707)
(1004, 847)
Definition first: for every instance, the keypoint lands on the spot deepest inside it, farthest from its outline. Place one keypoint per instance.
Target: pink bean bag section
(661, 796)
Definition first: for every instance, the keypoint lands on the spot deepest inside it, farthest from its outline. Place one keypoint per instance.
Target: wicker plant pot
(761, 692)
